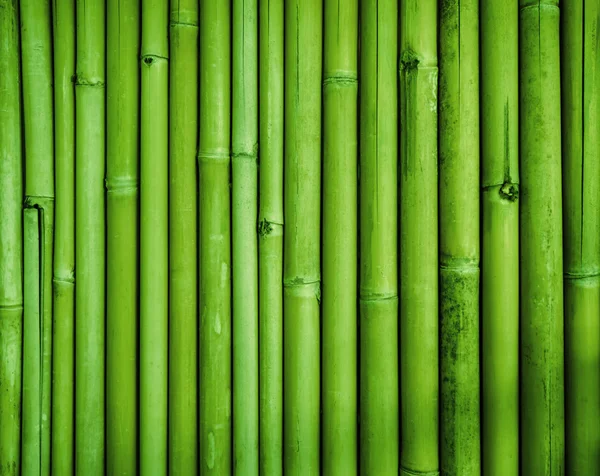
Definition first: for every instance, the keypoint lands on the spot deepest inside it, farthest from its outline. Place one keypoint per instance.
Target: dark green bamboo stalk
(244, 198)
(154, 237)
(36, 66)
(63, 370)
(123, 44)
(500, 238)
(459, 237)
(419, 237)
(379, 403)
(183, 241)
(340, 213)
(580, 87)
(90, 239)
(542, 340)
(11, 244)
(270, 229)
(302, 253)
(215, 236)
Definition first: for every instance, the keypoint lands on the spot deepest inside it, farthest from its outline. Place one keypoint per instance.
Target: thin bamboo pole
(500, 238)
(340, 214)
(123, 43)
(542, 340)
(302, 253)
(270, 264)
(379, 402)
(154, 237)
(63, 364)
(183, 241)
(459, 237)
(244, 170)
(11, 244)
(90, 239)
(215, 236)
(418, 237)
(580, 68)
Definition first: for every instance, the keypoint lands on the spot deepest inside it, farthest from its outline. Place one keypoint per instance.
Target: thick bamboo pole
(90, 239)
(36, 67)
(215, 236)
(270, 264)
(580, 88)
(154, 237)
(11, 244)
(302, 253)
(459, 237)
(63, 365)
(379, 402)
(244, 171)
(183, 241)
(542, 340)
(418, 237)
(500, 238)
(123, 44)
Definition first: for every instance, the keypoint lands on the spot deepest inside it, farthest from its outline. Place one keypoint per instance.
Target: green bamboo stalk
(215, 236)
(418, 237)
(90, 238)
(542, 340)
(244, 200)
(123, 43)
(302, 253)
(379, 399)
(154, 237)
(36, 66)
(11, 245)
(183, 241)
(500, 238)
(270, 229)
(63, 370)
(459, 237)
(340, 213)
(580, 74)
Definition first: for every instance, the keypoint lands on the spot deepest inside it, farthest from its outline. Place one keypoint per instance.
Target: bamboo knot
(409, 61)
(411, 472)
(80, 80)
(341, 78)
(509, 191)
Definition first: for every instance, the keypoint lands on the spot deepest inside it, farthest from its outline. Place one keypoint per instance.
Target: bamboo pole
(379, 399)
(123, 43)
(580, 74)
(63, 365)
(244, 199)
(36, 66)
(270, 264)
(459, 237)
(11, 244)
(90, 239)
(542, 351)
(500, 238)
(183, 241)
(418, 237)
(302, 215)
(215, 236)
(340, 214)
(154, 238)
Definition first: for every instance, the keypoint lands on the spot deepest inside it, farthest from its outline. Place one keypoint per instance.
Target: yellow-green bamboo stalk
(183, 241)
(270, 229)
(123, 43)
(459, 237)
(580, 88)
(11, 245)
(500, 238)
(215, 236)
(418, 237)
(302, 253)
(541, 267)
(90, 238)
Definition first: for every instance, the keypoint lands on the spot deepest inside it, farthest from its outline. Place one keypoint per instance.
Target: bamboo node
(264, 227)
(509, 191)
(80, 80)
(412, 472)
(409, 61)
